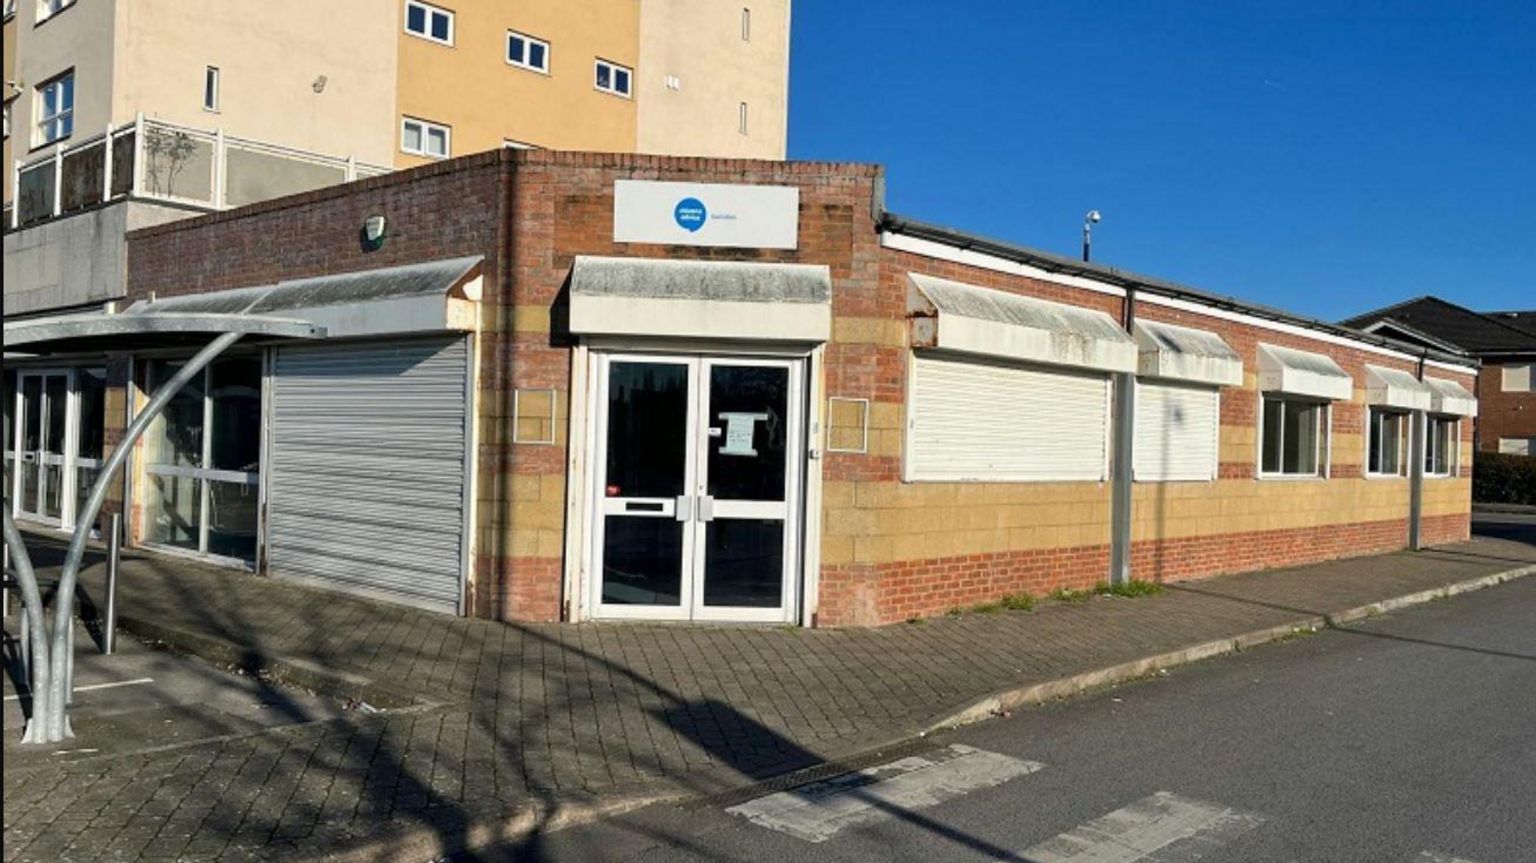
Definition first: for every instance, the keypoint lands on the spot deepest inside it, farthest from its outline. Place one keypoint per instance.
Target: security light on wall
(1089, 220)
(374, 228)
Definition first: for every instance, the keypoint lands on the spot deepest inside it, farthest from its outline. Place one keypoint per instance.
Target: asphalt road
(1410, 737)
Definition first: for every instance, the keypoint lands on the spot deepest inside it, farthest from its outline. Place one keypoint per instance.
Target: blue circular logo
(690, 214)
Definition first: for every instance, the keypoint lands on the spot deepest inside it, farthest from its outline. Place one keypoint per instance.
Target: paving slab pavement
(518, 727)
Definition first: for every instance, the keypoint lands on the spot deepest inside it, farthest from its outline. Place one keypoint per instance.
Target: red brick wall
(1502, 414)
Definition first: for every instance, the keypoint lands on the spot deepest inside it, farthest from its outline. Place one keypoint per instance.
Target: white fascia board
(981, 260)
(702, 319)
(1051, 347)
(1394, 388)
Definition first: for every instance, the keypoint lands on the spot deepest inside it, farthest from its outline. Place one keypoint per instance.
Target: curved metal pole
(32, 598)
(58, 728)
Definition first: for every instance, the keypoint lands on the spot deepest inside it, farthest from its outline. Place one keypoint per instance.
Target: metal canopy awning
(955, 316)
(1302, 373)
(700, 299)
(1186, 354)
(429, 297)
(1395, 388)
(1449, 397)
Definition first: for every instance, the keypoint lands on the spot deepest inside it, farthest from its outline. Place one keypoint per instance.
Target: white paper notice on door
(739, 428)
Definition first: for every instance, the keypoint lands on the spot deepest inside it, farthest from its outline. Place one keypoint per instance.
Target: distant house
(1504, 341)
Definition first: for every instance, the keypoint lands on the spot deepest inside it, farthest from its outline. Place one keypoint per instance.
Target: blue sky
(1323, 157)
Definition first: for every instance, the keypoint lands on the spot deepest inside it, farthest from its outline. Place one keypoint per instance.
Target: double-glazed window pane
(1293, 437)
(234, 388)
(1440, 446)
(176, 438)
(1386, 441)
(210, 429)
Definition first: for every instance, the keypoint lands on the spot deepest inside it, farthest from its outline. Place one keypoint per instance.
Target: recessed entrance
(697, 470)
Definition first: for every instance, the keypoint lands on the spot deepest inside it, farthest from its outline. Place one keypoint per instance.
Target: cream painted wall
(699, 42)
(78, 37)
(470, 87)
(269, 55)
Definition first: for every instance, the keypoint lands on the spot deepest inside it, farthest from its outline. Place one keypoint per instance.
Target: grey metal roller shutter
(366, 486)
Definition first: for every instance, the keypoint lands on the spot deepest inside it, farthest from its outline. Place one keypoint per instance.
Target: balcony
(153, 160)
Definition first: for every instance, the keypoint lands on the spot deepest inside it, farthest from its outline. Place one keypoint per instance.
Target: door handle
(684, 508)
(29, 457)
(706, 508)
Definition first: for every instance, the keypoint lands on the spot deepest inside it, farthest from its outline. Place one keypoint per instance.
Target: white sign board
(706, 214)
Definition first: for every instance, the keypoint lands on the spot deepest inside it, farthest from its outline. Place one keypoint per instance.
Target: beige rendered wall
(470, 87)
(269, 55)
(9, 54)
(700, 44)
(79, 37)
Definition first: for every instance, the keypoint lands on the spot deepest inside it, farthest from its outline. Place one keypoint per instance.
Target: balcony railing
(159, 161)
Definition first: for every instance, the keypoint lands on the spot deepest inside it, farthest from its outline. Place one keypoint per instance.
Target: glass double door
(698, 468)
(58, 442)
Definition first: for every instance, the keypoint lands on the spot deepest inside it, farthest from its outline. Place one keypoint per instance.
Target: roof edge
(1124, 279)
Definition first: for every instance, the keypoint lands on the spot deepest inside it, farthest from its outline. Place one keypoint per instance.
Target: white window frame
(45, 8)
(1324, 443)
(527, 40)
(1506, 384)
(425, 126)
(1529, 442)
(1404, 441)
(211, 89)
(1431, 441)
(428, 11)
(39, 137)
(613, 70)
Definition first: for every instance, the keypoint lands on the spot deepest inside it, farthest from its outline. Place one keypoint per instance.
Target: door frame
(582, 585)
(66, 517)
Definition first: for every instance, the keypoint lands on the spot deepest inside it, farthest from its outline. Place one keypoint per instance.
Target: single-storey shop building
(533, 385)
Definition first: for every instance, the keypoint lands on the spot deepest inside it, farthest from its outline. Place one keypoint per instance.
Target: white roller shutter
(991, 422)
(1177, 429)
(366, 485)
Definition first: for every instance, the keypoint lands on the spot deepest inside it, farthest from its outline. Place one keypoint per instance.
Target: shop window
(1293, 437)
(1441, 446)
(204, 461)
(424, 138)
(526, 52)
(613, 78)
(1387, 442)
(429, 22)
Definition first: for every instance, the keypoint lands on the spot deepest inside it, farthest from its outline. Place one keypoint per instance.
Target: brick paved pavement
(525, 718)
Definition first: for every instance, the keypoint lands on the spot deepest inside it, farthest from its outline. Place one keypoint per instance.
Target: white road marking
(817, 811)
(1432, 857)
(1148, 827)
(114, 684)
